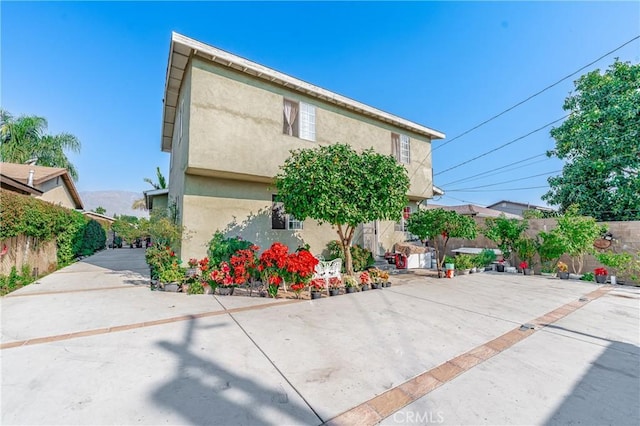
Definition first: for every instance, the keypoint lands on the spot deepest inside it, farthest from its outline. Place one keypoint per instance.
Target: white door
(370, 237)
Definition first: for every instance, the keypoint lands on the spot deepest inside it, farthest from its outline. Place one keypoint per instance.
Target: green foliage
(24, 138)
(163, 228)
(577, 234)
(23, 215)
(440, 225)
(222, 248)
(463, 261)
(195, 287)
(505, 233)
(94, 238)
(172, 274)
(526, 249)
(127, 227)
(362, 258)
(337, 185)
(550, 249)
(588, 276)
(15, 280)
(599, 142)
(486, 257)
(100, 210)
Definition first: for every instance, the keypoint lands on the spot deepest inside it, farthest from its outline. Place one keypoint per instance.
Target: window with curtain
(299, 120)
(401, 148)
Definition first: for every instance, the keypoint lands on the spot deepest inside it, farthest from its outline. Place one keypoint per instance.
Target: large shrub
(94, 238)
(222, 248)
(362, 258)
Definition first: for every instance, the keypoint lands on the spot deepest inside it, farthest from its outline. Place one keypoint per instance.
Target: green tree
(599, 143)
(505, 233)
(127, 227)
(24, 139)
(578, 234)
(100, 210)
(337, 185)
(439, 226)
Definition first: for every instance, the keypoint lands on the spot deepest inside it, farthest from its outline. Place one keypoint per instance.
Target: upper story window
(299, 120)
(401, 148)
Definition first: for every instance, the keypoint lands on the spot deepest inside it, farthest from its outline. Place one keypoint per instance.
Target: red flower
(601, 271)
(365, 278)
(524, 265)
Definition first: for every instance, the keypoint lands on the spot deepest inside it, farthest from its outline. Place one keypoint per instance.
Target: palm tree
(24, 139)
(140, 204)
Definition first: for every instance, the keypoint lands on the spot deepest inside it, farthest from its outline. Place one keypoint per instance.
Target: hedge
(25, 215)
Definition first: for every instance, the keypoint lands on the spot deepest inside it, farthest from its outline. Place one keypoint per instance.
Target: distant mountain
(115, 202)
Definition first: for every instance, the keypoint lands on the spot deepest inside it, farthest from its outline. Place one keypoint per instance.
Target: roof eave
(260, 71)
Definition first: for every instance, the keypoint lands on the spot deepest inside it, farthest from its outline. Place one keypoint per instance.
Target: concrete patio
(90, 344)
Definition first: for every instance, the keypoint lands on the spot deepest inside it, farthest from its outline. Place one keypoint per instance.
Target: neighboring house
(51, 184)
(157, 199)
(229, 124)
(474, 211)
(516, 208)
(104, 220)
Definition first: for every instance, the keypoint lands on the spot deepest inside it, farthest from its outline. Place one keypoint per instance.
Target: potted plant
(449, 263)
(350, 283)
(334, 286)
(316, 286)
(365, 280)
(383, 276)
(297, 289)
(615, 261)
(224, 280)
(486, 259)
(524, 266)
(171, 278)
(463, 264)
(601, 275)
(195, 287)
(563, 270)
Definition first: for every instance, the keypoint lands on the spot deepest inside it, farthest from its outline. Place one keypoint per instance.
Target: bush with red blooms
(300, 266)
(244, 265)
(297, 288)
(222, 275)
(317, 284)
(335, 282)
(601, 271)
(274, 282)
(524, 265)
(365, 278)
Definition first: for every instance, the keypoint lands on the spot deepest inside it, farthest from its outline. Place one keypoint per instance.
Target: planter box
(601, 279)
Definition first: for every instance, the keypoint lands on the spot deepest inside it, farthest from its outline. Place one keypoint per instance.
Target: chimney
(30, 180)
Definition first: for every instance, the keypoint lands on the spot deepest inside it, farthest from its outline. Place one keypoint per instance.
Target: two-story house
(229, 123)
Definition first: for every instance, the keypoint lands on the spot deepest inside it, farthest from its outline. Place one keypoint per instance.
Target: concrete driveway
(90, 344)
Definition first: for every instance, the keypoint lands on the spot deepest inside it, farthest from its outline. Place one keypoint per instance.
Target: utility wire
(501, 146)
(498, 169)
(508, 181)
(500, 189)
(536, 94)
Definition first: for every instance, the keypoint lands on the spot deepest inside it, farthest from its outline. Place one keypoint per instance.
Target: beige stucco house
(229, 123)
(52, 184)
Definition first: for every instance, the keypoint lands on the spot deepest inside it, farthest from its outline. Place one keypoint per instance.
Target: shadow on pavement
(202, 392)
(128, 263)
(608, 392)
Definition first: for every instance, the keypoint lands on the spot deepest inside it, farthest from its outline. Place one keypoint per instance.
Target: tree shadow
(608, 392)
(203, 392)
(257, 228)
(129, 264)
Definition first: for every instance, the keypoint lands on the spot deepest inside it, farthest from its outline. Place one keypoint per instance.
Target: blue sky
(97, 70)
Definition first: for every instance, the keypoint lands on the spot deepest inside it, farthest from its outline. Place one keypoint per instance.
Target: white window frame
(294, 224)
(290, 222)
(304, 121)
(404, 154)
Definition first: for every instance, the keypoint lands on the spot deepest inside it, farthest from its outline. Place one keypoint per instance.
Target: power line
(509, 181)
(499, 169)
(501, 146)
(536, 94)
(500, 189)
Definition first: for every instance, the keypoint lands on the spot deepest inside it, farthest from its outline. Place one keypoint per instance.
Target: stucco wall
(57, 194)
(23, 250)
(236, 127)
(239, 208)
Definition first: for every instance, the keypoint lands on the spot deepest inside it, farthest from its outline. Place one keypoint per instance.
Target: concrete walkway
(90, 344)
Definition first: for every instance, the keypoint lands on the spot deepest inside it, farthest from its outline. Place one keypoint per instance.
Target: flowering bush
(300, 266)
(244, 264)
(222, 276)
(335, 282)
(601, 271)
(317, 284)
(365, 278)
(524, 265)
(350, 281)
(193, 263)
(274, 282)
(562, 267)
(297, 288)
